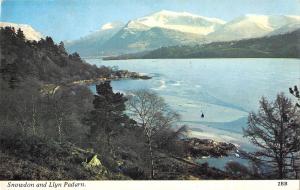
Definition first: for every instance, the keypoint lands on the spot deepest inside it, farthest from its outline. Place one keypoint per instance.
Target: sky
(72, 19)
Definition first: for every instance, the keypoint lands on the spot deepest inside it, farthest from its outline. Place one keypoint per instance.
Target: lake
(224, 90)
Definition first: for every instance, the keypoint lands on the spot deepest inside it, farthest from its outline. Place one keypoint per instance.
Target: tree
(61, 47)
(20, 34)
(295, 92)
(49, 41)
(108, 113)
(275, 131)
(168, 140)
(11, 73)
(296, 160)
(20, 107)
(238, 170)
(75, 56)
(152, 115)
(56, 109)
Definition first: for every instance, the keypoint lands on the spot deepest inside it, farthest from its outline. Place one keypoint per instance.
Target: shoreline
(131, 76)
(107, 60)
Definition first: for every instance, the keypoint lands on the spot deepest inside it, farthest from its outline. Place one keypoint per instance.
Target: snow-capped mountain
(92, 44)
(252, 26)
(130, 40)
(285, 29)
(29, 32)
(168, 28)
(179, 21)
(163, 28)
(111, 26)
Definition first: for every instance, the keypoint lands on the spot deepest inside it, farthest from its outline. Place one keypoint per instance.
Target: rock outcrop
(207, 147)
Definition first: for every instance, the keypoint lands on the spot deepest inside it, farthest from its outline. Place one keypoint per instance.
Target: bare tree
(22, 108)
(275, 131)
(295, 92)
(153, 115)
(296, 157)
(59, 108)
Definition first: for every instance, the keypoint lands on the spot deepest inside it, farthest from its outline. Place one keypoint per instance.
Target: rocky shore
(198, 148)
(117, 75)
(186, 167)
(169, 166)
(71, 162)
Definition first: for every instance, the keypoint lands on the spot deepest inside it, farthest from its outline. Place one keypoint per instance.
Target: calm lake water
(225, 90)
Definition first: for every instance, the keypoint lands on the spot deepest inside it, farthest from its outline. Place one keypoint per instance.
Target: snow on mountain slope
(284, 24)
(129, 41)
(165, 28)
(180, 21)
(105, 30)
(91, 44)
(29, 32)
(111, 26)
(251, 26)
(160, 29)
(283, 20)
(285, 29)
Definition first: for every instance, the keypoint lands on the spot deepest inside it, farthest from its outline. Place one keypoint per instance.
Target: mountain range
(168, 28)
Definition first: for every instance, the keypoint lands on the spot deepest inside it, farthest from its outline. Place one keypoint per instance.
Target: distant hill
(277, 46)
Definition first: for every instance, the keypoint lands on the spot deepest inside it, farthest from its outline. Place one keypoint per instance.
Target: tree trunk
(281, 165)
(280, 170)
(293, 165)
(109, 143)
(59, 120)
(34, 122)
(151, 159)
(281, 141)
(23, 128)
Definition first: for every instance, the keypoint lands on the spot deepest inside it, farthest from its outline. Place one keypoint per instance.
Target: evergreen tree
(75, 56)
(61, 47)
(108, 114)
(20, 34)
(295, 92)
(49, 41)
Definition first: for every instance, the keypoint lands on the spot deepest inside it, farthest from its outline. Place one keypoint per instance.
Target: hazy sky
(71, 19)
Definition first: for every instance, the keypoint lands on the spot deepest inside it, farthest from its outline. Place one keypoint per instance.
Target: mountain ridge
(90, 43)
(181, 21)
(251, 26)
(182, 28)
